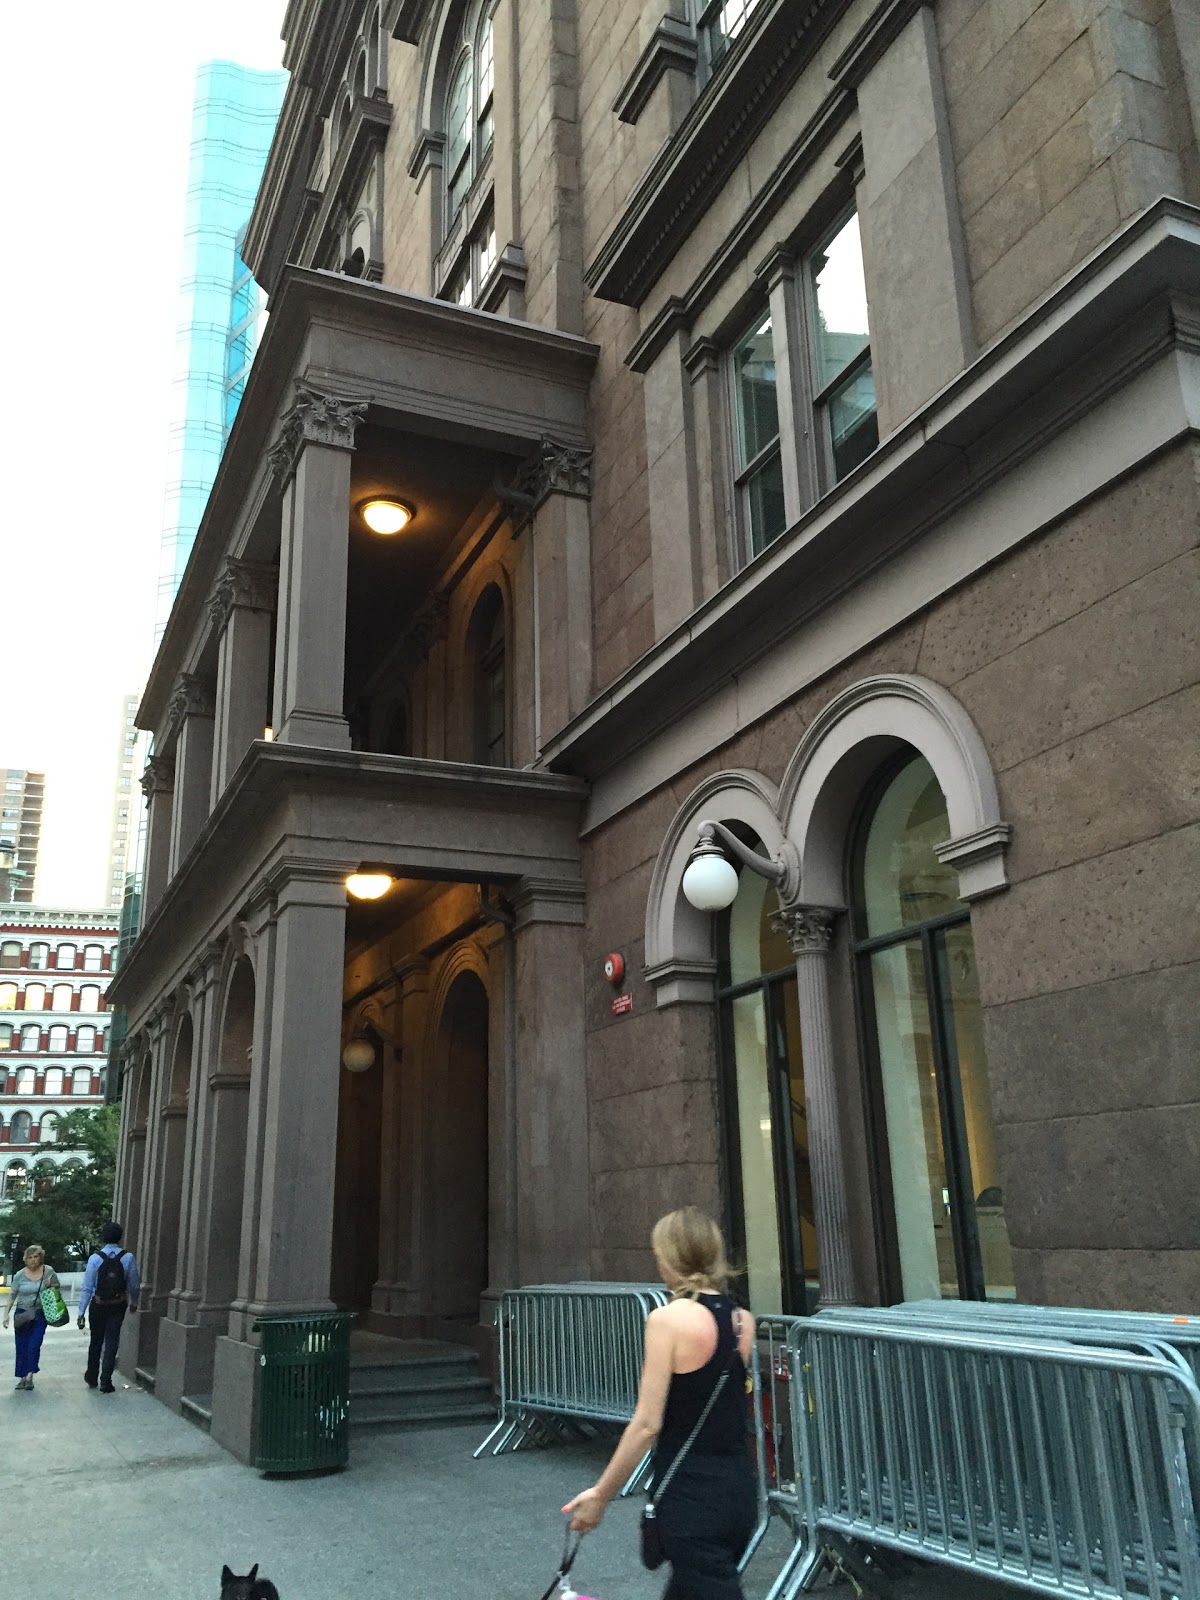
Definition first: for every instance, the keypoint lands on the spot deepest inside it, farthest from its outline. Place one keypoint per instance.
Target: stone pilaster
(158, 785)
(192, 713)
(809, 932)
(242, 605)
(311, 459)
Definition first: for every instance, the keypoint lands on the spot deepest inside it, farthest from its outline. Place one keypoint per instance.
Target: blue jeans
(29, 1346)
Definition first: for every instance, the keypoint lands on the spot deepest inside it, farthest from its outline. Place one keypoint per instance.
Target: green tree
(65, 1217)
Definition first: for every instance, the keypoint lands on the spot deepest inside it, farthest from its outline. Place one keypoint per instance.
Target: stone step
(401, 1402)
(403, 1379)
(145, 1376)
(429, 1415)
(197, 1408)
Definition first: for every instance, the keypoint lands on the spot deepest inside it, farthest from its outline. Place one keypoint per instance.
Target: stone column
(809, 931)
(397, 1292)
(550, 498)
(192, 710)
(312, 462)
(671, 480)
(241, 606)
(202, 989)
(554, 1243)
(158, 785)
(295, 1220)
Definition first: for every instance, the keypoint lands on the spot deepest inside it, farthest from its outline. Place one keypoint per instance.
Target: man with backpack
(111, 1286)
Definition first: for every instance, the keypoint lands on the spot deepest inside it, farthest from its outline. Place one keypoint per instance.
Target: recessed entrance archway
(457, 1195)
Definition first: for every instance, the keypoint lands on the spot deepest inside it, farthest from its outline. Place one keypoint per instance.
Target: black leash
(570, 1551)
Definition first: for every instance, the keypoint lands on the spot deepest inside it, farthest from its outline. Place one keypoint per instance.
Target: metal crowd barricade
(1065, 1469)
(570, 1362)
(1130, 1328)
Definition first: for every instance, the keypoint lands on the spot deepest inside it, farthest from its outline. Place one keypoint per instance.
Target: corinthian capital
(159, 776)
(244, 584)
(555, 468)
(314, 418)
(807, 929)
(192, 698)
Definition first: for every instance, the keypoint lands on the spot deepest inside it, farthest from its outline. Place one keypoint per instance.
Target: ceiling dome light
(386, 516)
(369, 885)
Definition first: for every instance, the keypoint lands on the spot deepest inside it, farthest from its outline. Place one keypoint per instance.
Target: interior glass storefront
(922, 1020)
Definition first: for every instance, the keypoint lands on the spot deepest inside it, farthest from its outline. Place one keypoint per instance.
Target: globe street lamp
(710, 880)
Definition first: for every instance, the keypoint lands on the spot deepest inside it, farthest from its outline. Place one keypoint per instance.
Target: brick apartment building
(791, 411)
(55, 968)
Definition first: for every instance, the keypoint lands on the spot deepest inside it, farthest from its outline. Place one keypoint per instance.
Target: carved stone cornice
(159, 776)
(807, 929)
(192, 698)
(314, 418)
(427, 153)
(555, 468)
(248, 585)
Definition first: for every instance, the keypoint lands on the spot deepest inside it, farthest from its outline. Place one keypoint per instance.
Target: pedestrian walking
(111, 1286)
(25, 1309)
(692, 1407)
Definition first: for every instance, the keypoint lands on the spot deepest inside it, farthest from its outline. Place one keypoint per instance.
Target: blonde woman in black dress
(707, 1513)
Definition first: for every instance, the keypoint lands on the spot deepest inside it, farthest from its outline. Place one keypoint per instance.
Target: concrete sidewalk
(413, 1518)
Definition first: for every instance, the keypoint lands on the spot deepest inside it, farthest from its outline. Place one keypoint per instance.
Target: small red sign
(621, 1004)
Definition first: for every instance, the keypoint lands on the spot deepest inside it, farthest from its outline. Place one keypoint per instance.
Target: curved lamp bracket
(782, 870)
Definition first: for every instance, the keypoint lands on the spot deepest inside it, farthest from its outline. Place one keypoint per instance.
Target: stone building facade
(795, 412)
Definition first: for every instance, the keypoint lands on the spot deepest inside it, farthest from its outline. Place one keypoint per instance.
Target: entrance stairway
(411, 1383)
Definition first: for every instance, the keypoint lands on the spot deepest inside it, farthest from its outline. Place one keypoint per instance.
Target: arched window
(764, 1101)
(64, 956)
(8, 997)
(31, 1037)
(16, 1178)
(59, 1036)
(81, 1080)
(89, 997)
(916, 967)
(43, 1171)
(6, 1035)
(54, 1081)
(85, 1039)
(469, 119)
(60, 999)
(26, 1080)
(93, 958)
(10, 953)
(396, 740)
(490, 696)
(35, 997)
(39, 957)
(22, 1128)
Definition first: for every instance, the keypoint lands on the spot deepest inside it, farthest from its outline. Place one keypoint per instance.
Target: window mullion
(796, 442)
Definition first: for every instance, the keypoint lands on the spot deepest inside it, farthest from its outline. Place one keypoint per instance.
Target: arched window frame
(16, 1178)
(60, 997)
(21, 1129)
(26, 1080)
(90, 998)
(65, 957)
(35, 997)
(81, 1081)
(31, 1037)
(93, 958)
(6, 1036)
(85, 1039)
(10, 955)
(39, 956)
(54, 1081)
(467, 121)
(59, 1037)
(8, 997)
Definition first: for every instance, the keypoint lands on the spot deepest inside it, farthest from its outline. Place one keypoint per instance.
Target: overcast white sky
(96, 102)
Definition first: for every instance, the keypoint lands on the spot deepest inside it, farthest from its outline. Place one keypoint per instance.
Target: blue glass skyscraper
(220, 305)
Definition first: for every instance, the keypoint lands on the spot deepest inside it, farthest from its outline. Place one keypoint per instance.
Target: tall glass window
(6, 1036)
(764, 1106)
(469, 115)
(35, 997)
(39, 956)
(89, 998)
(61, 997)
(58, 1036)
(843, 380)
(756, 414)
(720, 22)
(918, 974)
(10, 953)
(31, 1037)
(8, 997)
(64, 956)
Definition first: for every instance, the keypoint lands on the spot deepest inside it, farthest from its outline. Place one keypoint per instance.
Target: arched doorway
(919, 987)
(229, 1093)
(764, 1109)
(457, 1198)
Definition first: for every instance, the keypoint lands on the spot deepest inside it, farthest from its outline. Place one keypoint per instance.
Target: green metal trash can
(304, 1414)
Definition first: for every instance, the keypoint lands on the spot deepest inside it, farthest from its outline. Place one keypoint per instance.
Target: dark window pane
(765, 515)
(853, 423)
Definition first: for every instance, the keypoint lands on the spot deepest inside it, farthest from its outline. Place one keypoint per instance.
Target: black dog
(251, 1587)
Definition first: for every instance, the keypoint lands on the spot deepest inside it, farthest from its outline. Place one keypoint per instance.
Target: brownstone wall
(1067, 117)
(1078, 657)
